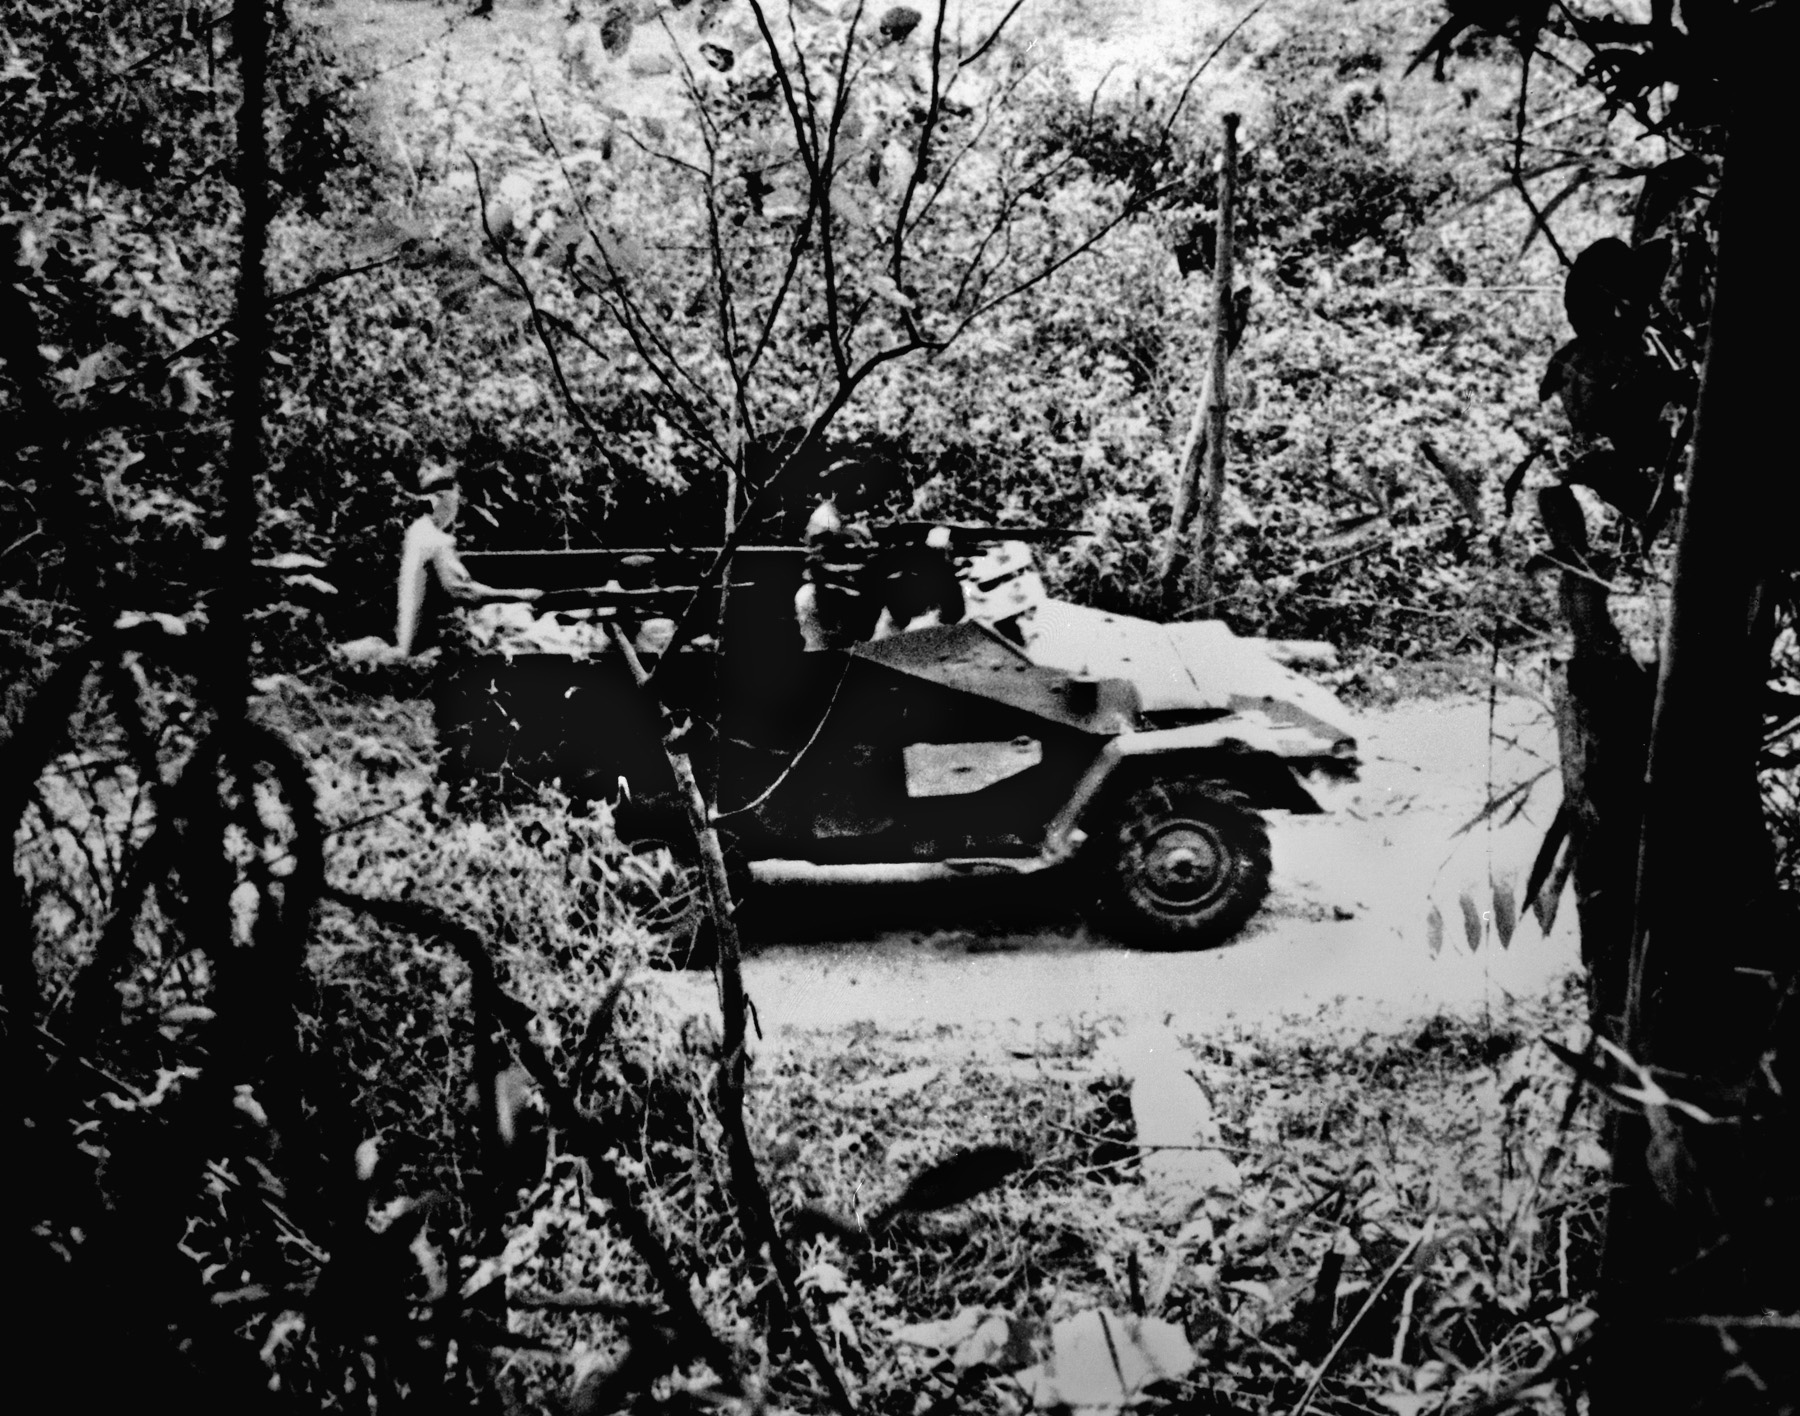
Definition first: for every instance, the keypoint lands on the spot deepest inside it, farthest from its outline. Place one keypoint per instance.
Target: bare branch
(807, 153)
(922, 154)
(827, 236)
(1518, 160)
(1205, 64)
(538, 323)
(818, 174)
(721, 269)
(948, 169)
(698, 429)
(687, 625)
(637, 328)
(1002, 222)
(681, 163)
(1129, 210)
(795, 250)
(834, 322)
(986, 44)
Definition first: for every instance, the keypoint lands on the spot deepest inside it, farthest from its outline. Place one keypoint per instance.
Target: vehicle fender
(1268, 780)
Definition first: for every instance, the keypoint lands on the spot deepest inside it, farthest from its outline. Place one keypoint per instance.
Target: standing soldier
(433, 581)
(433, 578)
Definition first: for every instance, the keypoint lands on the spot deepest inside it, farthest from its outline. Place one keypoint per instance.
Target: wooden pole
(1212, 506)
(1187, 488)
(1205, 442)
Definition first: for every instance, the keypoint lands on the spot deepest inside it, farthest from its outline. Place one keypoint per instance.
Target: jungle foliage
(1381, 316)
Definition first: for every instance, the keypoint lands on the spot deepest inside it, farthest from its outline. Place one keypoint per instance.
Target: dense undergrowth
(1389, 308)
(1409, 1217)
(1428, 1183)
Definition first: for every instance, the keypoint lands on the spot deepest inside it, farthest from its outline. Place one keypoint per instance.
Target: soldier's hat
(435, 476)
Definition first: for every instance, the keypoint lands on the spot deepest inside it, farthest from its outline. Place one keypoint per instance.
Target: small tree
(826, 197)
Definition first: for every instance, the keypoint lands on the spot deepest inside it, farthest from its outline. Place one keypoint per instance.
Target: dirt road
(1349, 918)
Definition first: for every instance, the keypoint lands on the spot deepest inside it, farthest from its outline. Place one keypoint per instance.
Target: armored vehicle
(1135, 759)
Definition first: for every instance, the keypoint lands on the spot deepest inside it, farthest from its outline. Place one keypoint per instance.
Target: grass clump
(1450, 1154)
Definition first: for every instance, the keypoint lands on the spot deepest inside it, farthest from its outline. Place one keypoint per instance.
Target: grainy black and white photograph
(804, 707)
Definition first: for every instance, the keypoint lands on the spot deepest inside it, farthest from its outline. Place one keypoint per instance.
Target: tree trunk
(1603, 706)
(1213, 506)
(1700, 1224)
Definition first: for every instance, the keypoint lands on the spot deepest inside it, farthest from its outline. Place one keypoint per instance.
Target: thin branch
(933, 107)
(749, 1193)
(538, 322)
(986, 44)
(1518, 160)
(796, 249)
(638, 331)
(1081, 248)
(1002, 223)
(818, 176)
(834, 321)
(687, 625)
(995, 103)
(681, 164)
(721, 269)
(698, 428)
(1318, 1376)
(636, 327)
(839, 104)
(1205, 64)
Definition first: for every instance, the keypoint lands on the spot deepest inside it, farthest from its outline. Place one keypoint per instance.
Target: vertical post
(1212, 505)
(244, 465)
(736, 473)
(1206, 430)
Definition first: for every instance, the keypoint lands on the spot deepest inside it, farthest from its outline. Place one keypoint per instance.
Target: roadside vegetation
(457, 1155)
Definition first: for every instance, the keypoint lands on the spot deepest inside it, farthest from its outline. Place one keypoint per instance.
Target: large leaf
(1506, 913)
(615, 29)
(1101, 1362)
(1471, 913)
(1547, 853)
(898, 22)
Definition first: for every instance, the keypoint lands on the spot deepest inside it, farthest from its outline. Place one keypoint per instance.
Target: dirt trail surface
(1348, 922)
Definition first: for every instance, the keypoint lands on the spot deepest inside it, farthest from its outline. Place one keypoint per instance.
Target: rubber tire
(1156, 904)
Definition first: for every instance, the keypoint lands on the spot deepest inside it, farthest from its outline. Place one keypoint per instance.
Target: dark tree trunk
(1603, 706)
(1700, 1228)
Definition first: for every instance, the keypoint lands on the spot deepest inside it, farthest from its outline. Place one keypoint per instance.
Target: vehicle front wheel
(1179, 865)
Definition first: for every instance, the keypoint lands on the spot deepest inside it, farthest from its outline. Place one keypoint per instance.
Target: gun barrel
(901, 532)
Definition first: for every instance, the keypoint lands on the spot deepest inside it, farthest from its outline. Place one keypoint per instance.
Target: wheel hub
(1185, 865)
